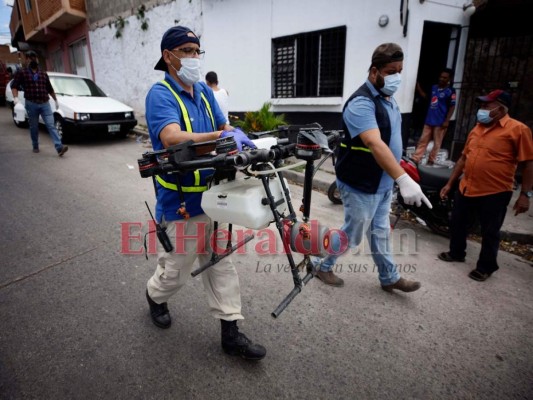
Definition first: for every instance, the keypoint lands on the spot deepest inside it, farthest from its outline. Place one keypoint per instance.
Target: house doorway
(438, 51)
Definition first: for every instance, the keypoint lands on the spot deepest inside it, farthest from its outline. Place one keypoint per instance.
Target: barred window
(309, 64)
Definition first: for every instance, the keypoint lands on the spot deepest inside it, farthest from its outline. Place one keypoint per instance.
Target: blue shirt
(441, 101)
(163, 109)
(360, 116)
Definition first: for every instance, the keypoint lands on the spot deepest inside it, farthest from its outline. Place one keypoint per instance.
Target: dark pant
(491, 212)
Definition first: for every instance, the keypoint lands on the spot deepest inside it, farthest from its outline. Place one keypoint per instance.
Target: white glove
(411, 192)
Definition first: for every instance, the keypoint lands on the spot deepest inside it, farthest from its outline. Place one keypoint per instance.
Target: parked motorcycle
(431, 181)
(334, 195)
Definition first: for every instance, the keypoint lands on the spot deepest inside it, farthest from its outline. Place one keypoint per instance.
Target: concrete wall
(124, 67)
(237, 37)
(237, 40)
(101, 10)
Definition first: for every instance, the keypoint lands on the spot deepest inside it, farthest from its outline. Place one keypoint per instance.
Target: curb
(139, 131)
(298, 178)
(521, 238)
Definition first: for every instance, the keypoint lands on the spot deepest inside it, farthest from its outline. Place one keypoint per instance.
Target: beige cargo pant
(221, 282)
(435, 133)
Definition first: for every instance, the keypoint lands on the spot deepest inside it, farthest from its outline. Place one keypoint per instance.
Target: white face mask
(392, 83)
(190, 71)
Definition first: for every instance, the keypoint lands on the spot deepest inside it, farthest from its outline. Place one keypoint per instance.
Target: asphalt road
(74, 321)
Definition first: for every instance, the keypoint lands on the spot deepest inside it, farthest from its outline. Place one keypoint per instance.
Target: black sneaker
(63, 150)
(159, 313)
(447, 256)
(237, 344)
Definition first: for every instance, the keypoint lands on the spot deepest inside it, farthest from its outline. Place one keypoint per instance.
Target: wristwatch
(527, 194)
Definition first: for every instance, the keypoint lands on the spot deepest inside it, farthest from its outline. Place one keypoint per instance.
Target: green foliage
(141, 17)
(262, 120)
(119, 23)
(140, 11)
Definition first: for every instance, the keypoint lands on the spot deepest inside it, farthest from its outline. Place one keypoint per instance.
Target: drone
(259, 198)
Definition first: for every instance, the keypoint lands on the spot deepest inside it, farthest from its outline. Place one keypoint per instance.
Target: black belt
(38, 102)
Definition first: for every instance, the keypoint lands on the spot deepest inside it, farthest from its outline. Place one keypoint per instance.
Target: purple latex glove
(240, 138)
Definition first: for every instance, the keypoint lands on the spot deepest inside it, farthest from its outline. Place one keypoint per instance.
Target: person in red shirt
(493, 150)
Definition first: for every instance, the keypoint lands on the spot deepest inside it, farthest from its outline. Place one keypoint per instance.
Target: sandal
(446, 256)
(478, 276)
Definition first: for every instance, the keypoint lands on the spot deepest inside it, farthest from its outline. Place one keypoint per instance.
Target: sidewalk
(515, 228)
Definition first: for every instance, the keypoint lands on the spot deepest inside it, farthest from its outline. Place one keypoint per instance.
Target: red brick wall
(29, 19)
(78, 5)
(14, 22)
(6, 56)
(47, 8)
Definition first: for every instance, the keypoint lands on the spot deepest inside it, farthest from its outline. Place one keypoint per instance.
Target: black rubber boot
(159, 313)
(237, 344)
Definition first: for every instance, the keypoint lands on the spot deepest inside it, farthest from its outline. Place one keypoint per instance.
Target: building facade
(57, 30)
(306, 58)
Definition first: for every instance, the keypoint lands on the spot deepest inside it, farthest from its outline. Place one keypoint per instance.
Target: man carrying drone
(180, 109)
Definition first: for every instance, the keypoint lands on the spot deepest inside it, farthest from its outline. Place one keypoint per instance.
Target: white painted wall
(238, 33)
(124, 67)
(237, 37)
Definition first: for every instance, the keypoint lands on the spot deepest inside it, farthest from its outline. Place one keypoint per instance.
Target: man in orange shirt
(493, 150)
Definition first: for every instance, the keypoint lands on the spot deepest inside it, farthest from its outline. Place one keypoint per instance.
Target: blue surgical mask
(483, 116)
(392, 83)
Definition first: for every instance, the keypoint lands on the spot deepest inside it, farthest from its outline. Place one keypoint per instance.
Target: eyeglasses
(191, 51)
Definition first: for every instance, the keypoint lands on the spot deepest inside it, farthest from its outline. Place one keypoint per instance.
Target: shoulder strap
(209, 111)
(185, 113)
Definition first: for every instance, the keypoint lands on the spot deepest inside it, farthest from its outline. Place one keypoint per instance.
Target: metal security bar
(494, 63)
(309, 64)
(283, 68)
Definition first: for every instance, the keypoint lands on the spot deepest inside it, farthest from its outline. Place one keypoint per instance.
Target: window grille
(309, 64)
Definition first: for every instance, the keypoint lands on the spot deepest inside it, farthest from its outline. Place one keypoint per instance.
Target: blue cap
(175, 36)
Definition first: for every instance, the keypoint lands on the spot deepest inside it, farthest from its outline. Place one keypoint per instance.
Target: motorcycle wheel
(333, 194)
(438, 225)
(437, 219)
